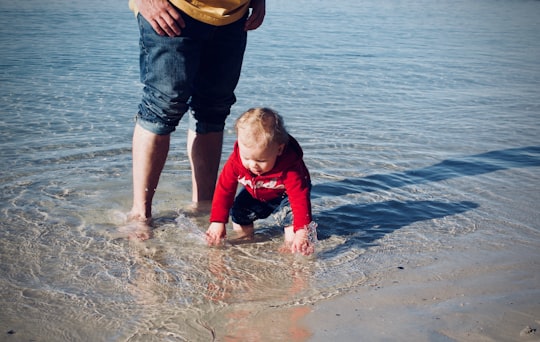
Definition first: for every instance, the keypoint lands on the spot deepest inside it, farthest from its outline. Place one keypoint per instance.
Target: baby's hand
(215, 233)
(301, 244)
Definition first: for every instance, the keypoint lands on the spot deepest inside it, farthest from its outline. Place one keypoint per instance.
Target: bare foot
(198, 209)
(245, 234)
(136, 229)
(242, 234)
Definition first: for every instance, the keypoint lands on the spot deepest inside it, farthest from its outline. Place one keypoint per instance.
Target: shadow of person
(447, 169)
(364, 224)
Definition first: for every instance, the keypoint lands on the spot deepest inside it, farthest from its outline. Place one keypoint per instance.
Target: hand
(215, 233)
(301, 244)
(256, 17)
(164, 17)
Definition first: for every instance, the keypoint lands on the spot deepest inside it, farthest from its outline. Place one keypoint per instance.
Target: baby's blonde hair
(262, 126)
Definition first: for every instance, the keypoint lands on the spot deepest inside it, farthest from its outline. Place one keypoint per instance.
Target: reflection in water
(248, 321)
(236, 296)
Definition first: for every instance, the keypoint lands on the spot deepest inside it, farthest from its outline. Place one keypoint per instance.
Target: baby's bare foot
(244, 235)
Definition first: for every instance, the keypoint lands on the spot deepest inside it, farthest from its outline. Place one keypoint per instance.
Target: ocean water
(420, 123)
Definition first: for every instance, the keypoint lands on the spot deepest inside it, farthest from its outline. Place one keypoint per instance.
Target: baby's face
(258, 158)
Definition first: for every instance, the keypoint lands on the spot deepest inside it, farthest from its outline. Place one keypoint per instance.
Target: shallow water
(420, 127)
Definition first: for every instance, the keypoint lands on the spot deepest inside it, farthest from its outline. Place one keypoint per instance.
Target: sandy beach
(474, 293)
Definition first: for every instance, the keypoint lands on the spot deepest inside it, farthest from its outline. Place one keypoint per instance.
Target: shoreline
(469, 293)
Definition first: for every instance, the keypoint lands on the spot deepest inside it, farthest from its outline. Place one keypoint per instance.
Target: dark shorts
(247, 209)
(198, 70)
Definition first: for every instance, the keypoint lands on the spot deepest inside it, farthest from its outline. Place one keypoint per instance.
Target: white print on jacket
(268, 184)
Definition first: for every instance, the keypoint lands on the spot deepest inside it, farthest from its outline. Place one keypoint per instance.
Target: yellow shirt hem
(208, 11)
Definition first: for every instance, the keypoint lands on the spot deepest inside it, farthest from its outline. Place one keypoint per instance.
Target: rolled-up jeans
(196, 71)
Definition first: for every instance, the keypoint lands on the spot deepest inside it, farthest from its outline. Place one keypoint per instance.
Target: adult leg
(213, 96)
(167, 67)
(204, 151)
(149, 155)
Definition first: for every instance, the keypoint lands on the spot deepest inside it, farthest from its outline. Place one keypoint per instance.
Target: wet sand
(470, 293)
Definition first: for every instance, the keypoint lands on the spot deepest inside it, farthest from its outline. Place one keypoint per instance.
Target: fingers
(212, 239)
(256, 17)
(308, 250)
(164, 18)
(173, 23)
(304, 248)
(163, 28)
(166, 24)
(253, 22)
(215, 233)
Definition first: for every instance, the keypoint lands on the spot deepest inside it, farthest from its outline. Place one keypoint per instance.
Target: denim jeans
(196, 71)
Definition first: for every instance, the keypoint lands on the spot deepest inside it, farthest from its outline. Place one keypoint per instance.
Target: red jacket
(289, 175)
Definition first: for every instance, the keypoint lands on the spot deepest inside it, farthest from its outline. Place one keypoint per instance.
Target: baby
(268, 162)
